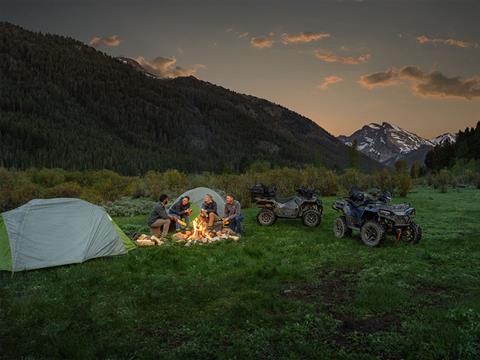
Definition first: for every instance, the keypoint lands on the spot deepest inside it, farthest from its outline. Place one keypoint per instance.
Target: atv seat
(285, 200)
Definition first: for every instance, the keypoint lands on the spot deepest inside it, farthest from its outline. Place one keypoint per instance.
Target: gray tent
(196, 197)
(52, 232)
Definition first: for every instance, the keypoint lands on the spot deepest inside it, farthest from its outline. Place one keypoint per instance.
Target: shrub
(127, 206)
(23, 191)
(384, 181)
(328, 183)
(175, 182)
(68, 189)
(416, 169)
(139, 188)
(404, 184)
(154, 184)
(476, 181)
(442, 180)
(47, 177)
(110, 185)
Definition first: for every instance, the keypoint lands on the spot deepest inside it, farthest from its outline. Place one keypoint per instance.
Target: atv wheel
(372, 233)
(412, 234)
(340, 228)
(311, 218)
(266, 217)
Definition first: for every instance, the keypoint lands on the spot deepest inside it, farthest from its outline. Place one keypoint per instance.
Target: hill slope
(65, 104)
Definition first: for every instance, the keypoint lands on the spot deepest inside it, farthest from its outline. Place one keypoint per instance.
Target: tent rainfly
(52, 232)
(196, 197)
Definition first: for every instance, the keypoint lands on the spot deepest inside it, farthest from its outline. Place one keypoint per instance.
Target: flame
(199, 229)
(201, 234)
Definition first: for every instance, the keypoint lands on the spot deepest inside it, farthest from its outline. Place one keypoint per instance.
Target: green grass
(285, 291)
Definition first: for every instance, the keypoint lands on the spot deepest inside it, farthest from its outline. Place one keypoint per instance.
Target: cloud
(112, 41)
(431, 84)
(166, 67)
(244, 34)
(381, 78)
(423, 39)
(330, 57)
(261, 42)
(329, 80)
(303, 37)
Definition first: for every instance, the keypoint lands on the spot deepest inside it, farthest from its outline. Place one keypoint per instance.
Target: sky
(341, 63)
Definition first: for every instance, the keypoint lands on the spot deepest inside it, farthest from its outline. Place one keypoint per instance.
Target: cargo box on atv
(263, 192)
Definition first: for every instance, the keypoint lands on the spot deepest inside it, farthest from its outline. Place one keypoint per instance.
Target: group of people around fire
(180, 212)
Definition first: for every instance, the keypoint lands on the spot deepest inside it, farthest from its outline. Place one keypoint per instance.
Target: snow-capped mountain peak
(386, 142)
(442, 139)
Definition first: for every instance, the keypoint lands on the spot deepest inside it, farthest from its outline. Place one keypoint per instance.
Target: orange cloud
(166, 67)
(431, 84)
(304, 37)
(329, 80)
(112, 41)
(261, 42)
(330, 57)
(423, 39)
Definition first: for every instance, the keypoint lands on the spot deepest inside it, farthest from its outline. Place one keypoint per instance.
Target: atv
(375, 217)
(305, 205)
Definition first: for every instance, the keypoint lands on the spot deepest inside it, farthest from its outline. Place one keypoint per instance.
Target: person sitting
(209, 210)
(233, 214)
(159, 218)
(181, 211)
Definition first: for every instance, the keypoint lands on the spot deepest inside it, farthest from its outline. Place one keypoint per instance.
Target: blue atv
(374, 217)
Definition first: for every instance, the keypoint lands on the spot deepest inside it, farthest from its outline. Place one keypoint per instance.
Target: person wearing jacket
(159, 219)
(233, 214)
(209, 210)
(181, 210)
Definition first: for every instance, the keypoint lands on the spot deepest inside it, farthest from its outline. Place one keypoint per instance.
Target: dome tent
(196, 197)
(52, 232)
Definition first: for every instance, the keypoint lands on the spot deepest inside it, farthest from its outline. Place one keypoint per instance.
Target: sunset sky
(341, 63)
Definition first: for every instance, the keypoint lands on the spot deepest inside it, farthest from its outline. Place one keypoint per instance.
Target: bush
(175, 181)
(154, 184)
(68, 190)
(384, 181)
(404, 184)
(110, 185)
(47, 177)
(127, 206)
(442, 180)
(476, 182)
(328, 183)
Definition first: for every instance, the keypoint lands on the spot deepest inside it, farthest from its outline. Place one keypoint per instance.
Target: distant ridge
(65, 104)
(388, 143)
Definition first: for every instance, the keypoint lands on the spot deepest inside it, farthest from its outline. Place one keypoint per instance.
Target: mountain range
(65, 104)
(388, 143)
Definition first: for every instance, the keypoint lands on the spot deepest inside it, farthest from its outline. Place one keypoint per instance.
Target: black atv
(305, 205)
(375, 217)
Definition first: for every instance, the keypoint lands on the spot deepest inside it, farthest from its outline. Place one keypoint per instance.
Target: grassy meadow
(282, 292)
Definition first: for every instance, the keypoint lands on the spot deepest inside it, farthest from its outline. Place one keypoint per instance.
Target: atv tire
(412, 234)
(266, 217)
(340, 228)
(372, 233)
(311, 218)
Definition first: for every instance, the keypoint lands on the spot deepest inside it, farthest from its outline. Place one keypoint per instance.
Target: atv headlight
(410, 212)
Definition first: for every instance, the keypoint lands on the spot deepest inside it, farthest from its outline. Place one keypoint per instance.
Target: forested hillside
(466, 148)
(64, 104)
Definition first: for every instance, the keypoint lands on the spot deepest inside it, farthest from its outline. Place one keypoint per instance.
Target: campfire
(200, 234)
